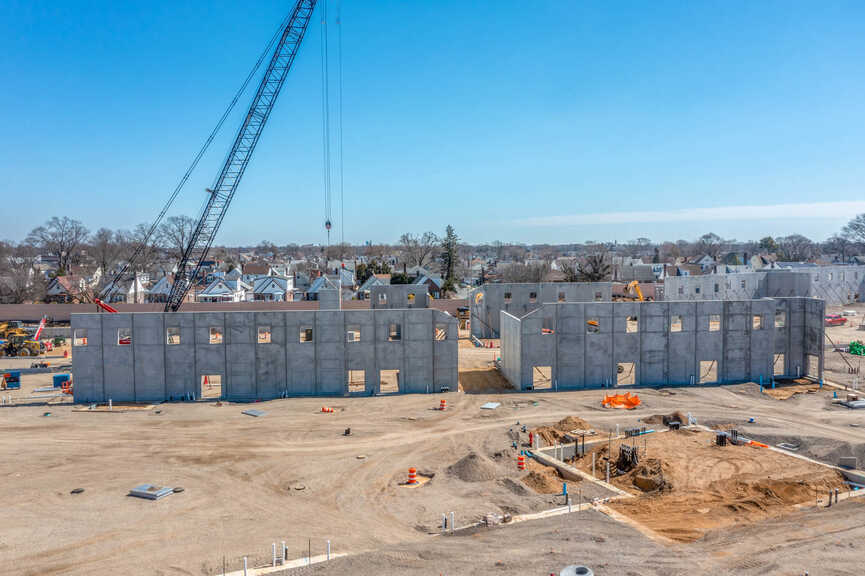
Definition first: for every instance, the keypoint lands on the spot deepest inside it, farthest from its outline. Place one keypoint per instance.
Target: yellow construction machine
(13, 328)
(17, 345)
(633, 287)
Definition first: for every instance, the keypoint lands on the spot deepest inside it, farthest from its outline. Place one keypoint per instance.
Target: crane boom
(219, 197)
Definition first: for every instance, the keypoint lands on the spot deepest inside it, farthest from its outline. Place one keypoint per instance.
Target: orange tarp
(625, 401)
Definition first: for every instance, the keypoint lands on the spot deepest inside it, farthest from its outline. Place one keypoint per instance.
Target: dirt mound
(472, 468)
(665, 418)
(649, 476)
(556, 432)
(544, 481)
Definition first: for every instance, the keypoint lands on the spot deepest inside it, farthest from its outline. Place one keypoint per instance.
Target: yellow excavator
(14, 328)
(633, 287)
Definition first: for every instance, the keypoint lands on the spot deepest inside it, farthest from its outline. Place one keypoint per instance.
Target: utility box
(12, 380)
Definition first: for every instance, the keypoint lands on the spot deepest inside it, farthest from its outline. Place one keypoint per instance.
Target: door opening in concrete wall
(389, 381)
(593, 325)
(124, 336)
(626, 374)
(561, 296)
(356, 381)
(714, 322)
(708, 371)
(507, 297)
(542, 377)
(264, 335)
(211, 387)
(547, 326)
(172, 335)
(352, 333)
(756, 322)
(411, 300)
(440, 332)
(215, 335)
(813, 366)
(675, 323)
(632, 325)
(778, 365)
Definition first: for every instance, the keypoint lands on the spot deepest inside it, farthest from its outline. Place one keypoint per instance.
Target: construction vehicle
(12, 328)
(20, 346)
(634, 287)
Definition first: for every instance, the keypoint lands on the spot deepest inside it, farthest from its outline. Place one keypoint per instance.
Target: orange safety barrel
(443, 404)
(412, 475)
(521, 462)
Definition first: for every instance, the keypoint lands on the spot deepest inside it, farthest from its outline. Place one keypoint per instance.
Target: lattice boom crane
(219, 197)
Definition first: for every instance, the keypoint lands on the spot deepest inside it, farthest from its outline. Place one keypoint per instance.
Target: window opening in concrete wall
(632, 324)
(813, 365)
(714, 322)
(211, 386)
(411, 300)
(675, 323)
(593, 325)
(696, 289)
(542, 377)
(681, 290)
(215, 335)
(394, 332)
(356, 381)
(598, 296)
(780, 318)
(729, 284)
(80, 337)
(561, 296)
(264, 334)
(440, 332)
(306, 334)
(756, 322)
(547, 326)
(830, 277)
(382, 298)
(717, 287)
(507, 297)
(778, 365)
(172, 335)
(708, 371)
(124, 336)
(625, 374)
(744, 284)
(352, 333)
(533, 297)
(389, 381)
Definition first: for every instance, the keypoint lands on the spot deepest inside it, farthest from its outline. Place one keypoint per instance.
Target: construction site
(696, 425)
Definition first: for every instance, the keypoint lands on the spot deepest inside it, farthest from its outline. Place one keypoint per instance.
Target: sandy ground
(835, 368)
(292, 475)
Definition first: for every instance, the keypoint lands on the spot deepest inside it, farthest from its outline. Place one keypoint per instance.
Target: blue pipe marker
(564, 488)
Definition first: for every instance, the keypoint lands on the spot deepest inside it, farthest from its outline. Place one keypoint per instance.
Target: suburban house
(67, 289)
(224, 290)
(131, 291)
(273, 289)
(160, 291)
(433, 283)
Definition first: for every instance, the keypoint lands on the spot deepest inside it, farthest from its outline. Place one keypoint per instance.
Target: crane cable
(146, 240)
(339, 134)
(325, 123)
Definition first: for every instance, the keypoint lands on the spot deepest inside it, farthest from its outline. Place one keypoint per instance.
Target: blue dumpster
(59, 379)
(13, 379)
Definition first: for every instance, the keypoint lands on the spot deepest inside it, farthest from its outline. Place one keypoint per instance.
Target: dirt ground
(837, 366)
(292, 475)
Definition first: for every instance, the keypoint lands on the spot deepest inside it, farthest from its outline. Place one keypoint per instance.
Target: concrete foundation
(153, 357)
(487, 301)
(605, 345)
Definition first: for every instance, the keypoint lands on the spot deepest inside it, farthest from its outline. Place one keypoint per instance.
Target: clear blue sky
(515, 121)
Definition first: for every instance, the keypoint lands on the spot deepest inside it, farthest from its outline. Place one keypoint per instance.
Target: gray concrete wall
(151, 370)
(837, 285)
(487, 301)
(717, 342)
(399, 296)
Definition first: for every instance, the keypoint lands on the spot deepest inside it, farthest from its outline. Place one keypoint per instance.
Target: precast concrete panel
(181, 377)
(118, 360)
(149, 357)
(87, 359)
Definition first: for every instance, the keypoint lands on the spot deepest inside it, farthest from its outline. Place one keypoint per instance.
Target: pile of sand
(556, 432)
(473, 468)
(544, 481)
(665, 418)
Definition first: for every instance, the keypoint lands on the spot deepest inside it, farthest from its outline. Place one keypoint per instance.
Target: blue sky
(513, 121)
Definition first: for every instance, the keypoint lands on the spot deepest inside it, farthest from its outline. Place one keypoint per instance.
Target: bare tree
(525, 272)
(710, 244)
(839, 244)
(855, 229)
(339, 251)
(131, 241)
(796, 248)
(105, 247)
(20, 281)
(570, 271)
(174, 234)
(418, 250)
(62, 238)
(595, 267)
